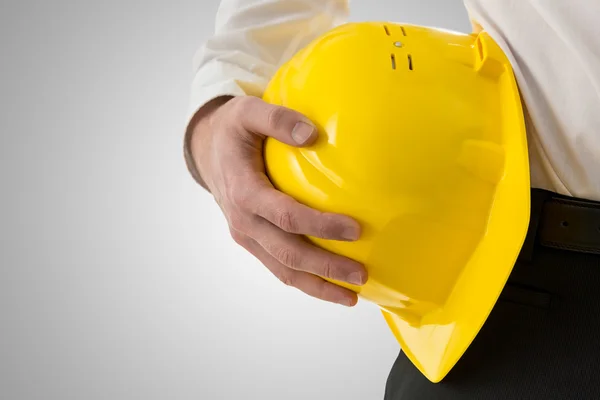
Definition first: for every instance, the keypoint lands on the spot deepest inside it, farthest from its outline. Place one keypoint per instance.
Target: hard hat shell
(421, 140)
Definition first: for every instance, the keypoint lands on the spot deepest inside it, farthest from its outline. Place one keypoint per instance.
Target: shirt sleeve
(252, 38)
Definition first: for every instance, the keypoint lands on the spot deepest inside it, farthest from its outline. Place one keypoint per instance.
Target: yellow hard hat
(422, 141)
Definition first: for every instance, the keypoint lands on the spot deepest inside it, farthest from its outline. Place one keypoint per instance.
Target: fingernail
(302, 132)
(356, 278)
(350, 233)
(347, 302)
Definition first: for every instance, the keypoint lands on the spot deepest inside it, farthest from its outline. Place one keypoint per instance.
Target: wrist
(197, 139)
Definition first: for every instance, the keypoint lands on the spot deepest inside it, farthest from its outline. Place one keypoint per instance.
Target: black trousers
(542, 339)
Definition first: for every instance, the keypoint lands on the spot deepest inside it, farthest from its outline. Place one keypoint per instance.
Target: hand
(226, 145)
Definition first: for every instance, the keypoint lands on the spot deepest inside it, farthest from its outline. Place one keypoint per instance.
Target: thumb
(282, 123)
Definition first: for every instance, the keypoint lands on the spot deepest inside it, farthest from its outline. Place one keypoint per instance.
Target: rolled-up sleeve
(252, 38)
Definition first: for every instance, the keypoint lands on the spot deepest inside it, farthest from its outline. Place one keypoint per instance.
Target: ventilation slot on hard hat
(393, 61)
(410, 64)
(387, 30)
(479, 48)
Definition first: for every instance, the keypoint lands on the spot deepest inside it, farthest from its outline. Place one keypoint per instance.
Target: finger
(309, 284)
(291, 216)
(296, 253)
(286, 125)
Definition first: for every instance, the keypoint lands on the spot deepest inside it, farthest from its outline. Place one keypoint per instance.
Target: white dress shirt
(553, 45)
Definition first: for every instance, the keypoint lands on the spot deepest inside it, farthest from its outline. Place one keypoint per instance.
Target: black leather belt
(563, 223)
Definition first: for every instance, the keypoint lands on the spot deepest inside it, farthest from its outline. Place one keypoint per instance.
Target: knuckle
(242, 193)
(237, 197)
(242, 101)
(230, 192)
(236, 222)
(276, 117)
(329, 268)
(286, 257)
(240, 106)
(237, 236)
(327, 226)
(236, 194)
(249, 100)
(323, 230)
(286, 278)
(286, 221)
(323, 291)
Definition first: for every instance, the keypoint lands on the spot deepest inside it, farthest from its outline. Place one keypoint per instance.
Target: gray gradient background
(118, 279)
